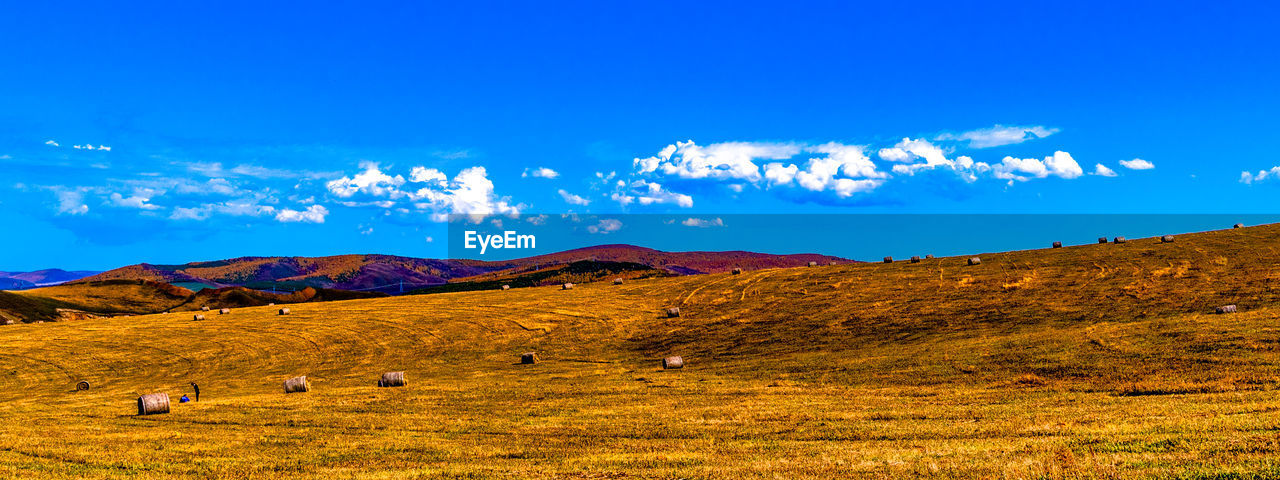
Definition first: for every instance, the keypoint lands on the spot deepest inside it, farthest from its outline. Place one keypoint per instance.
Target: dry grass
(1102, 361)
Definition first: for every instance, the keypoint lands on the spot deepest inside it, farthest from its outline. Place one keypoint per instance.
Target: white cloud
(51, 142)
(649, 193)
(999, 135)
(540, 172)
(703, 223)
(134, 201)
(469, 193)
(720, 161)
(71, 202)
(605, 226)
(104, 147)
(1102, 170)
(1137, 164)
(371, 181)
(572, 199)
(1262, 175)
(1060, 164)
(427, 175)
(313, 214)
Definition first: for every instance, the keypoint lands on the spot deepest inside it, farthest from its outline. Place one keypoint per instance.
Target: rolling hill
(50, 276)
(1091, 361)
(386, 273)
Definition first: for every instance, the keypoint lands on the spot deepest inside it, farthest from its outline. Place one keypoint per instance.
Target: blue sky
(326, 128)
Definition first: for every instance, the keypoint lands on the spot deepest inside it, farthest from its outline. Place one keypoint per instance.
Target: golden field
(1094, 361)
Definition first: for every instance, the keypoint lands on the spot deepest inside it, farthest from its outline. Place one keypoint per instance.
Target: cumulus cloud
(572, 199)
(605, 226)
(644, 192)
(51, 142)
(313, 214)
(1060, 164)
(427, 175)
(1103, 171)
(86, 146)
(720, 161)
(702, 222)
(1262, 175)
(371, 181)
(998, 135)
(134, 201)
(540, 172)
(1137, 164)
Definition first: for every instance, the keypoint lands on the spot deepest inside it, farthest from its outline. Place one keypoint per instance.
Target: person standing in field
(197, 389)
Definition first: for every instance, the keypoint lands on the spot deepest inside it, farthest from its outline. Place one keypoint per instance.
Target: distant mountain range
(39, 278)
(394, 274)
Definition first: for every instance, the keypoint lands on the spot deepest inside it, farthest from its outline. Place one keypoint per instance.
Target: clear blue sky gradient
(228, 123)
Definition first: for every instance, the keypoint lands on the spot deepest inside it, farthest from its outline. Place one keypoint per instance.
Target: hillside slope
(1081, 362)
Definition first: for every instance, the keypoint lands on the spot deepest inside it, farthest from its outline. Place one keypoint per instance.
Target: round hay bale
(617, 281)
(975, 261)
(1166, 239)
(833, 262)
(813, 264)
(153, 403)
(673, 362)
(915, 259)
(529, 358)
(224, 311)
(1238, 225)
(1119, 240)
(204, 309)
(297, 385)
(888, 259)
(1057, 244)
(567, 286)
(506, 287)
(1225, 309)
(1102, 239)
(82, 386)
(272, 304)
(673, 312)
(392, 379)
(197, 318)
(928, 257)
(284, 311)
(737, 271)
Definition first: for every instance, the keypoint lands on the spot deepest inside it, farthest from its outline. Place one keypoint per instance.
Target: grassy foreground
(1100, 361)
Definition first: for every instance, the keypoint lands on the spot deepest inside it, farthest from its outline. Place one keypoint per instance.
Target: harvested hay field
(1083, 362)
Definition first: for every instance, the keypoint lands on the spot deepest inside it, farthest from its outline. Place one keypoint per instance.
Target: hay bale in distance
(1119, 240)
(673, 312)
(1166, 239)
(672, 362)
(813, 264)
(82, 386)
(1057, 244)
(224, 311)
(617, 281)
(928, 257)
(888, 259)
(153, 403)
(204, 309)
(833, 262)
(1238, 225)
(1102, 239)
(297, 385)
(1225, 309)
(567, 286)
(975, 261)
(506, 287)
(272, 304)
(284, 311)
(392, 379)
(529, 358)
(737, 271)
(197, 318)
(915, 259)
